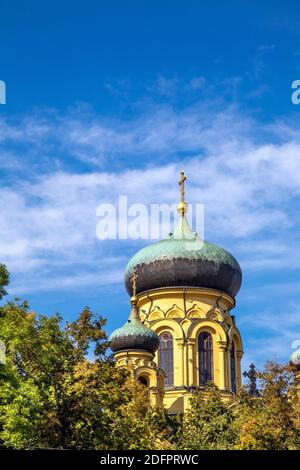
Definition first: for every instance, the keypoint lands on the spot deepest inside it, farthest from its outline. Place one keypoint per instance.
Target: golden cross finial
(133, 283)
(181, 182)
(182, 206)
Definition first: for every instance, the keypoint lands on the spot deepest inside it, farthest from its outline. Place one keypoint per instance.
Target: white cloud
(76, 281)
(249, 185)
(270, 333)
(166, 87)
(61, 167)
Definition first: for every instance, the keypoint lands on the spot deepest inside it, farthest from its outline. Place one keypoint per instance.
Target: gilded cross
(181, 182)
(133, 282)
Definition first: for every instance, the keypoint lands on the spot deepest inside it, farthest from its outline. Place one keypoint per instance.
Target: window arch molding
(176, 330)
(205, 346)
(234, 335)
(144, 372)
(142, 379)
(166, 355)
(210, 326)
(233, 367)
(235, 352)
(218, 338)
(168, 325)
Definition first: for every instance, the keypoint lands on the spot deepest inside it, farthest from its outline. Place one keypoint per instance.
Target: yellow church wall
(219, 344)
(185, 313)
(235, 338)
(171, 326)
(177, 402)
(141, 364)
(166, 302)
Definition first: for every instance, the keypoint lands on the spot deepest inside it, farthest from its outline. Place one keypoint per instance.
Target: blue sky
(108, 98)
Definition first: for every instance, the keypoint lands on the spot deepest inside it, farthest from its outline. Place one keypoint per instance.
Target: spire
(133, 279)
(133, 334)
(183, 230)
(182, 206)
(133, 299)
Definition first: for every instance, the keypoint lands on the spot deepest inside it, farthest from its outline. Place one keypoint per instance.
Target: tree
(59, 388)
(267, 422)
(4, 280)
(208, 424)
(270, 422)
(136, 425)
(53, 396)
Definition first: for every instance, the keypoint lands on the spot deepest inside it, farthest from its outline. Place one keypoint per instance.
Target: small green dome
(184, 259)
(134, 335)
(295, 359)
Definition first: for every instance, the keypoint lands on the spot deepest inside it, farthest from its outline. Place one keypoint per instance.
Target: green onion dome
(134, 335)
(295, 359)
(183, 259)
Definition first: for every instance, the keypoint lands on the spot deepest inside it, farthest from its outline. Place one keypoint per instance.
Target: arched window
(165, 356)
(205, 350)
(142, 380)
(232, 369)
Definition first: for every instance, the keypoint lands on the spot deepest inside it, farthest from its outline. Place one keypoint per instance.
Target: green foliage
(21, 415)
(134, 426)
(52, 396)
(4, 280)
(270, 422)
(208, 424)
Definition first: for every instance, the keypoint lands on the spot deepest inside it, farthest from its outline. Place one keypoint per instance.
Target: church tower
(134, 346)
(185, 292)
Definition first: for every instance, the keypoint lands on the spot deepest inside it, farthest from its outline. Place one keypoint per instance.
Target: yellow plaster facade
(144, 369)
(185, 313)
